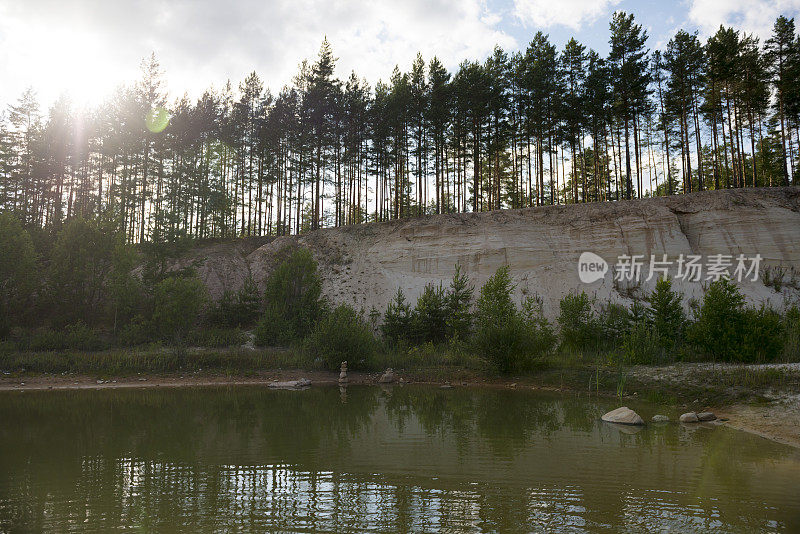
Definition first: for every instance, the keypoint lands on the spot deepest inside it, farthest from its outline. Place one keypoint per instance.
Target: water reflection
(370, 459)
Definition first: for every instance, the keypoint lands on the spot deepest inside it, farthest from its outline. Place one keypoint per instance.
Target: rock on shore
(291, 384)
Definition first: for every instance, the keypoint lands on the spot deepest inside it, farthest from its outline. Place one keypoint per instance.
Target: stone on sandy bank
(706, 416)
(623, 416)
(291, 384)
(690, 417)
(388, 377)
(660, 419)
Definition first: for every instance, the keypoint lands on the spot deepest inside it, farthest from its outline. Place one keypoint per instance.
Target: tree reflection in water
(374, 459)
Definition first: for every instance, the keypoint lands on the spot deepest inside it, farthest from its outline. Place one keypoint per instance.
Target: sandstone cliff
(364, 265)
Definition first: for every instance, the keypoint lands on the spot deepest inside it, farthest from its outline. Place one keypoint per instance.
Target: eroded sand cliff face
(365, 265)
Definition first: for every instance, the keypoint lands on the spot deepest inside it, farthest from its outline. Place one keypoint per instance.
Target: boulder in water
(623, 416)
(689, 417)
(706, 416)
(660, 419)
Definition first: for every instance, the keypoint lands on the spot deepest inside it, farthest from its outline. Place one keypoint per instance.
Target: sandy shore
(47, 382)
(778, 421)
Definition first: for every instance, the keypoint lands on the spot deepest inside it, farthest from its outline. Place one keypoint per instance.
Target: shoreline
(777, 420)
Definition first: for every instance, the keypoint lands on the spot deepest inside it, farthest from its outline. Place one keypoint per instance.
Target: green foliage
(18, 275)
(82, 258)
(508, 338)
(727, 331)
(248, 299)
(543, 336)
(458, 302)
(215, 337)
(178, 302)
(506, 345)
(642, 345)
(239, 309)
(717, 330)
(273, 329)
(577, 322)
(791, 327)
(494, 301)
(397, 319)
(342, 335)
(128, 294)
(762, 335)
(613, 323)
(293, 290)
(666, 315)
(137, 331)
(429, 318)
(76, 336)
(163, 252)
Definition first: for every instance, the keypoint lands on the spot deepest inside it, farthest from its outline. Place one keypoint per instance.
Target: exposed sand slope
(365, 264)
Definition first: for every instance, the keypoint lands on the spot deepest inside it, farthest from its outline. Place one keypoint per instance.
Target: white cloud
(571, 13)
(751, 16)
(90, 46)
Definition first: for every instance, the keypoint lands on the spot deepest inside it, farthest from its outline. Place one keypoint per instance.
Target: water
(402, 459)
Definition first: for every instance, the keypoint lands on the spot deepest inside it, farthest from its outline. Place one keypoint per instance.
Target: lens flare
(157, 120)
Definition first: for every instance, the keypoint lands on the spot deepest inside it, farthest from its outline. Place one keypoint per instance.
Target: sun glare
(62, 61)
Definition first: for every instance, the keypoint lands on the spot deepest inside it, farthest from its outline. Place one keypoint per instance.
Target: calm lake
(399, 459)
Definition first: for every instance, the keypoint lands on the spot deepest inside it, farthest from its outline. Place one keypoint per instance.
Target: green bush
(666, 315)
(81, 262)
(507, 338)
(273, 330)
(396, 325)
(791, 328)
(613, 324)
(216, 337)
(727, 331)
(294, 290)
(543, 337)
(81, 337)
(128, 294)
(342, 335)
(642, 345)
(578, 324)
(717, 332)
(77, 336)
(507, 345)
(458, 302)
(137, 332)
(236, 309)
(178, 302)
(762, 335)
(429, 318)
(17, 272)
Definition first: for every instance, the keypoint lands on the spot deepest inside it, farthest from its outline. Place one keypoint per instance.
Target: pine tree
(629, 77)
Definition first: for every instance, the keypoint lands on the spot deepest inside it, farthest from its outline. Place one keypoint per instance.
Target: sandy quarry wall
(364, 265)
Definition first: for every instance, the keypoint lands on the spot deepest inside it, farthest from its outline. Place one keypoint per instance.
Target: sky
(87, 48)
